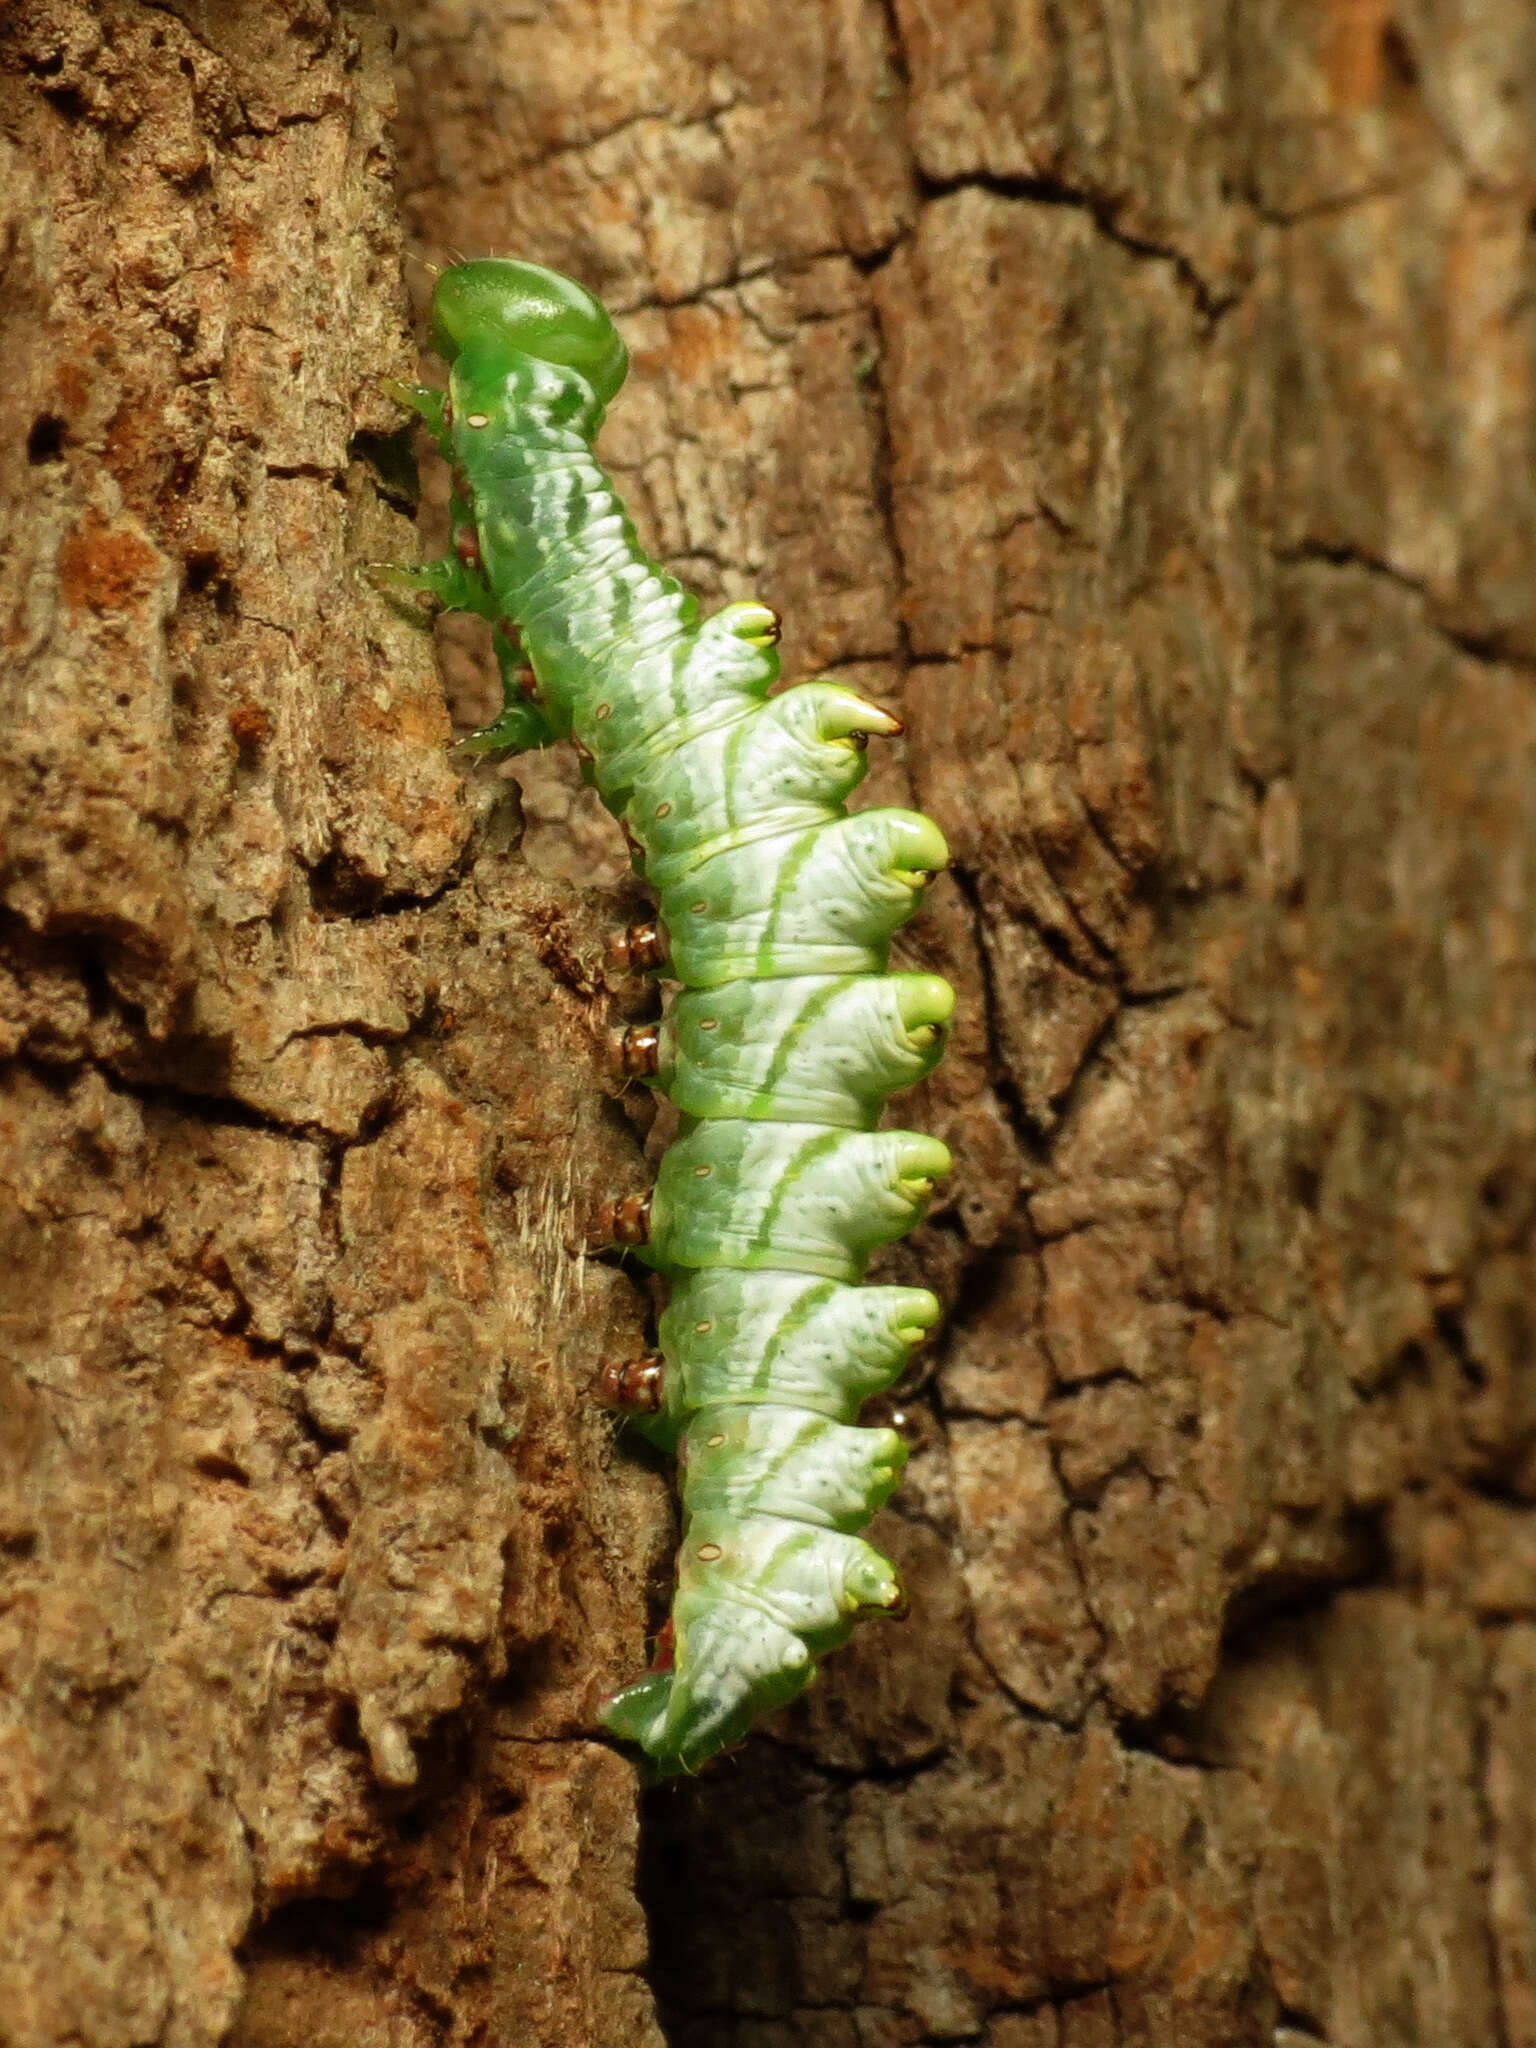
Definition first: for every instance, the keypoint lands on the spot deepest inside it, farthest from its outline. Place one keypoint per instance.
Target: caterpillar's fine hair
(777, 910)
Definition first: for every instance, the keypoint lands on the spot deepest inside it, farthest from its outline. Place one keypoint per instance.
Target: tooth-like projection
(777, 909)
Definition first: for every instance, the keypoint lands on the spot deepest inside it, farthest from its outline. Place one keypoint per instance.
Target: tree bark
(1142, 401)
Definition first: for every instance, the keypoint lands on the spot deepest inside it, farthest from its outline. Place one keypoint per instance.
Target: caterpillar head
(533, 310)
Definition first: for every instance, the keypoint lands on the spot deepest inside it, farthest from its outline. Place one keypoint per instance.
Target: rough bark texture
(1141, 399)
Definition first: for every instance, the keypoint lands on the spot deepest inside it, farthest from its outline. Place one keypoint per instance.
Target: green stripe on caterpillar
(777, 907)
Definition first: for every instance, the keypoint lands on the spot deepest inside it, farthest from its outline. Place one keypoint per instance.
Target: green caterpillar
(777, 909)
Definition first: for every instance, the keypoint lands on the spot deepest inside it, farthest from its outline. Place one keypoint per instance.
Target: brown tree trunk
(1143, 401)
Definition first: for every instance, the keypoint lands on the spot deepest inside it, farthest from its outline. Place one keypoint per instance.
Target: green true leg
(457, 583)
(456, 580)
(522, 726)
(455, 586)
(428, 405)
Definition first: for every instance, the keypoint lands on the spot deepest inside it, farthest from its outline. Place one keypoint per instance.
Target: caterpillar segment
(776, 911)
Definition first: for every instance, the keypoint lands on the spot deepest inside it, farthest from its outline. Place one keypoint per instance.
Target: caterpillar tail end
(677, 1735)
(638, 1715)
(734, 1665)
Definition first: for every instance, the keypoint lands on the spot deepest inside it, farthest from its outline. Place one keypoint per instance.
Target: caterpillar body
(777, 907)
